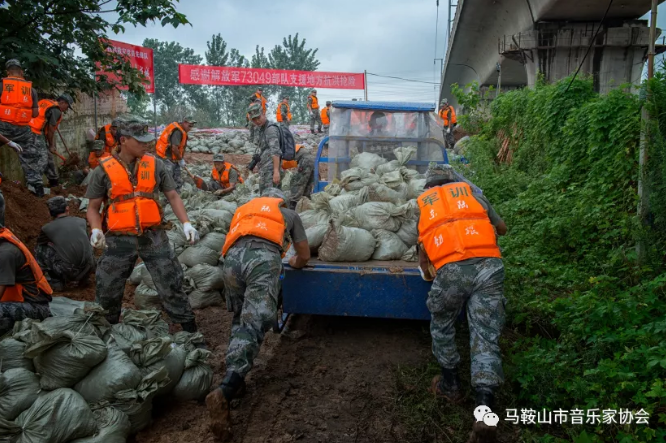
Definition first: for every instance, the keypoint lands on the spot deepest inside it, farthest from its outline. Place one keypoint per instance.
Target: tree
(217, 55)
(43, 35)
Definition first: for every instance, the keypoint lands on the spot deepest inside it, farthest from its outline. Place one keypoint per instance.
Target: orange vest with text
(16, 101)
(290, 164)
(223, 180)
(443, 113)
(315, 102)
(325, 117)
(109, 140)
(163, 142)
(263, 101)
(93, 160)
(37, 124)
(279, 114)
(15, 293)
(453, 226)
(131, 209)
(260, 217)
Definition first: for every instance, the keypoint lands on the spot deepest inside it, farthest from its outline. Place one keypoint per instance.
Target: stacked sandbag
(19, 389)
(157, 354)
(112, 426)
(197, 378)
(346, 244)
(207, 282)
(137, 325)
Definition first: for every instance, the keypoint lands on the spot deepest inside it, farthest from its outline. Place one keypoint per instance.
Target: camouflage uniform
(57, 270)
(302, 181)
(11, 312)
(33, 160)
(283, 111)
(314, 116)
(175, 171)
(268, 145)
(49, 168)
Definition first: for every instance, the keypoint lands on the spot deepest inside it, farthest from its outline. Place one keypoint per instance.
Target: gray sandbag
(188, 340)
(314, 217)
(137, 274)
(404, 153)
(353, 174)
(58, 416)
(90, 320)
(113, 426)
(63, 306)
(315, 235)
(410, 255)
(150, 320)
(125, 336)
(409, 232)
(346, 244)
(197, 377)
(64, 358)
(223, 205)
(148, 352)
(385, 168)
(11, 355)
(217, 217)
(205, 277)
(378, 215)
(320, 201)
(116, 373)
(200, 299)
(146, 298)
(389, 245)
(392, 179)
(367, 160)
(9, 431)
(415, 188)
(177, 239)
(174, 363)
(303, 205)
(19, 389)
(360, 184)
(196, 255)
(409, 174)
(379, 192)
(213, 240)
(343, 203)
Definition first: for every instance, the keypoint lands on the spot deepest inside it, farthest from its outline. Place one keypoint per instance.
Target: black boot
(190, 326)
(232, 386)
(53, 182)
(484, 397)
(218, 405)
(447, 385)
(39, 190)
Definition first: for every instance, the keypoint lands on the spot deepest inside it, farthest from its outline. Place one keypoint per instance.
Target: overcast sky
(387, 37)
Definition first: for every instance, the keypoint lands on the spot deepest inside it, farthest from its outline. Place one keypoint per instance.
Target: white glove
(97, 239)
(191, 234)
(181, 163)
(15, 146)
(448, 130)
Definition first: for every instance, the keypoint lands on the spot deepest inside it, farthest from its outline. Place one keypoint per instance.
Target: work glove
(15, 146)
(448, 130)
(191, 234)
(181, 163)
(423, 275)
(97, 239)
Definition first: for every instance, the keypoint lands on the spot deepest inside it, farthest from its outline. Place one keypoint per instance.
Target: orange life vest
(263, 101)
(315, 102)
(290, 164)
(260, 217)
(279, 114)
(453, 225)
(325, 117)
(109, 140)
(443, 113)
(38, 123)
(163, 142)
(15, 293)
(131, 209)
(224, 179)
(93, 160)
(16, 101)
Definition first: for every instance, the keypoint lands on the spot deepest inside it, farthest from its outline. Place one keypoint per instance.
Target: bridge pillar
(555, 50)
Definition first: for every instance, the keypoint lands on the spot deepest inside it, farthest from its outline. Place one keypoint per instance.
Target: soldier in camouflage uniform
(268, 149)
(473, 283)
(122, 248)
(302, 182)
(251, 272)
(16, 147)
(250, 124)
(45, 140)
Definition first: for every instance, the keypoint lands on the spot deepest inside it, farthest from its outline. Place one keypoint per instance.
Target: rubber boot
(481, 432)
(447, 385)
(484, 397)
(218, 401)
(39, 190)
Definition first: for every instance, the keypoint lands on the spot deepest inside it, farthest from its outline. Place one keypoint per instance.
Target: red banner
(140, 58)
(229, 76)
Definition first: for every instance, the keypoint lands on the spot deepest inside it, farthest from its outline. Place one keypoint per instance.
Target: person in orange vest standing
(458, 250)
(326, 116)
(283, 114)
(24, 291)
(107, 133)
(129, 183)
(313, 110)
(19, 105)
(253, 251)
(302, 182)
(224, 176)
(448, 116)
(260, 96)
(171, 147)
(44, 127)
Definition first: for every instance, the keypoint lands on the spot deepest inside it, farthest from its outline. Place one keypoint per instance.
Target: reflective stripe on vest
(93, 160)
(260, 217)
(315, 102)
(38, 123)
(16, 101)
(15, 293)
(453, 225)
(224, 179)
(279, 114)
(131, 209)
(325, 118)
(163, 142)
(290, 164)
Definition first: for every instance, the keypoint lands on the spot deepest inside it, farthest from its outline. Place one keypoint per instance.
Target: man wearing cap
(458, 250)
(250, 125)
(44, 127)
(107, 133)
(448, 116)
(224, 176)
(313, 110)
(253, 251)
(63, 250)
(302, 182)
(129, 183)
(18, 105)
(326, 116)
(284, 112)
(268, 149)
(171, 147)
(24, 291)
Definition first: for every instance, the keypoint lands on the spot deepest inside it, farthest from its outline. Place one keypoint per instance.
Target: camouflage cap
(438, 174)
(97, 145)
(219, 157)
(274, 193)
(445, 101)
(116, 122)
(328, 103)
(136, 128)
(66, 98)
(13, 62)
(255, 110)
(189, 119)
(314, 91)
(57, 204)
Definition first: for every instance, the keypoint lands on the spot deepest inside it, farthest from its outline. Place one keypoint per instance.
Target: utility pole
(643, 185)
(365, 83)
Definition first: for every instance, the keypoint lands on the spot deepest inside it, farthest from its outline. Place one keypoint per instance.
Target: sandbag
(320, 201)
(200, 299)
(63, 306)
(223, 205)
(177, 239)
(378, 215)
(409, 232)
(213, 240)
(197, 377)
(217, 217)
(415, 188)
(346, 244)
(148, 352)
(58, 416)
(19, 389)
(149, 319)
(379, 192)
(392, 179)
(410, 255)
(205, 277)
(389, 245)
(393, 165)
(315, 235)
(360, 184)
(303, 205)
(174, 363)
(116, 373)
(9, 431)
(404, 153)
(409, 174)
(64, 358)
(196, 255)
(90, 320)
(333, 189)
(146, 297)
(126, 335)
(313, 218)
(345, 202)
(136, 275)
(353, 174)
(113, 426)
(367, 160)
(11, 355)
(188, 340)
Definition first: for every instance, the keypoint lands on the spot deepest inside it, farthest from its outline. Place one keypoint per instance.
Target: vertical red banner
(140, 58)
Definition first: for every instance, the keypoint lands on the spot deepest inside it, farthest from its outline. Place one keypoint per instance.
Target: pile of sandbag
(370, 213)
(75, 378)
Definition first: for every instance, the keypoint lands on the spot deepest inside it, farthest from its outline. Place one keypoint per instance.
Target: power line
(404, 79)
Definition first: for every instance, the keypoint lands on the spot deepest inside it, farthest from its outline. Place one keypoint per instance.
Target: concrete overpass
(528, 37)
